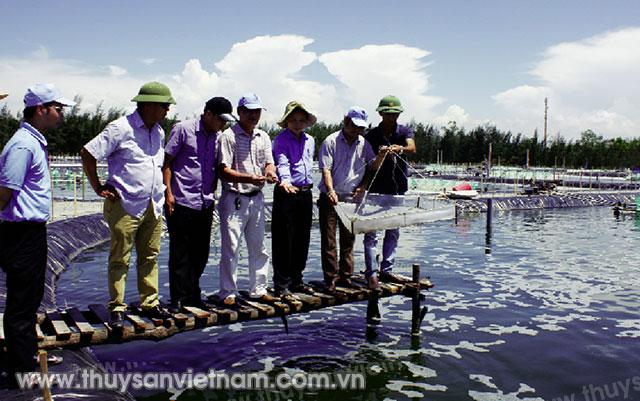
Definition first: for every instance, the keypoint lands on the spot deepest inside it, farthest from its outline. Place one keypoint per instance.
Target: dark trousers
(189, 243)
(290, 234)
(23, 257)
(329, 222)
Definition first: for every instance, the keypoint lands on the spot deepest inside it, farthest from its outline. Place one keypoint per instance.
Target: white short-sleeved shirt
(134, 155)
(348, 163)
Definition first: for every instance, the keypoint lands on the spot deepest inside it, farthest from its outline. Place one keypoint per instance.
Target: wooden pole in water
(455, 213)
(83, 185)
(546, 107)
(75, 194)
(415, 302)
(489, 214)
(44, 370)
(489, 162)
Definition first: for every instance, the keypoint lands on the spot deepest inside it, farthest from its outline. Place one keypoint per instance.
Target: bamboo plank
(39, 333)
(339, 297)
(60, 328)
(139, 323)
(309, 302)
(197, 312)
(225, 315)
(103, 316)
(426, 283)
(245, 312)
(353, 294)
(294, 306)
(264, 310)
(325, 299)
(281, 308)
(75, 317)
(135, 308)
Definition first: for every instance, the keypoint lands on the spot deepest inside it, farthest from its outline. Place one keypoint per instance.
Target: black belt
(304, 188)
(247, 194)
(28, 223)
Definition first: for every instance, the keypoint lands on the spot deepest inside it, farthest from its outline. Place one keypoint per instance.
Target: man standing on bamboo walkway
(391, 179)
(345, 157)
(25, 207)
(133, 146)
(190, 173)
(246, 164)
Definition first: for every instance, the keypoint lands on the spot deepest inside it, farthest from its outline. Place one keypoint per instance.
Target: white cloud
(148, 61)
(453, 113)
(373, 71)
(267, 65)
(271, 66)
(94, 84)
(589, 84)
(116, 71)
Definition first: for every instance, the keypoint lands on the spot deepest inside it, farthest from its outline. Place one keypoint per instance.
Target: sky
(472, 62)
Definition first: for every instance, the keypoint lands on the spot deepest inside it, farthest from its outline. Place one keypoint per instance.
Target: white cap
(45, 93)
(358, 116)
(250, 101)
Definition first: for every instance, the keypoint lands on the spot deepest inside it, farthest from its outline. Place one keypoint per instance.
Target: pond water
(546, 309)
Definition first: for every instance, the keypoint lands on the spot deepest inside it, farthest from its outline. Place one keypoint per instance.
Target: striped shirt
(245, 154)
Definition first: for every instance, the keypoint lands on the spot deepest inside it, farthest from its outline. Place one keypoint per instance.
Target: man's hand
(257, 179)
(333, 197)
(108, 191)
(169, 203)
(358, 193)
(395, 149)
(271, 177)
(288, 188)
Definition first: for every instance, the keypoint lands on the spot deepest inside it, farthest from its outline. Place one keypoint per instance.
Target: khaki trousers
(127, 230)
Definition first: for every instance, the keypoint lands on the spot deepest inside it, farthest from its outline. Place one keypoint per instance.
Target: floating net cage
(382, 212)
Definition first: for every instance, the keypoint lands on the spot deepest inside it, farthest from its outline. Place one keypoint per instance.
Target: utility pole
(489, 161)
(544, 139)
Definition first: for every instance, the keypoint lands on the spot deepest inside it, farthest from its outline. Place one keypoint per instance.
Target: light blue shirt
(134, 156)
(347, 163)
(24, 168)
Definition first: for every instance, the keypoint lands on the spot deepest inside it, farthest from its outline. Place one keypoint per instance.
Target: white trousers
(242, 215)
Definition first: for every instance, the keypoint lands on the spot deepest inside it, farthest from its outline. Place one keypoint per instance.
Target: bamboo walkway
(72, 328)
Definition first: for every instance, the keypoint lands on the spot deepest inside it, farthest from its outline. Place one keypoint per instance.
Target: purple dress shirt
(294, 157)
(194, 175)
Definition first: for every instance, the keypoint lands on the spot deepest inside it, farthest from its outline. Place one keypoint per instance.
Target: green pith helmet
(390, 104)
(291, 106)
(154, 92)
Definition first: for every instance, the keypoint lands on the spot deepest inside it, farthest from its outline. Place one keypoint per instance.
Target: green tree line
(455, 144)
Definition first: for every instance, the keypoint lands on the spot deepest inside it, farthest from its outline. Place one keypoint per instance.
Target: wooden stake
(44, 369)
(415, 303)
